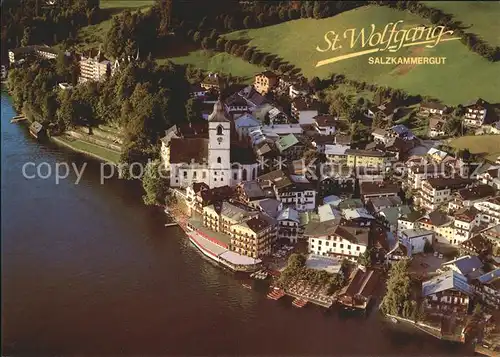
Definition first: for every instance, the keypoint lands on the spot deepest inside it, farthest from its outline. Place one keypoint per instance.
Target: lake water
(89, 270)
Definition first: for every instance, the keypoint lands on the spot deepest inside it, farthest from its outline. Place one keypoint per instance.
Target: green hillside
(218, 62)
(480, 17)
(108, 4)
(465, 75)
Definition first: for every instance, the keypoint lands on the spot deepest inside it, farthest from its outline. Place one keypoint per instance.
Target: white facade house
(416, 239)
(489, 210)
(245, 124)
(209, 160)
(338, 241)
(296, 90)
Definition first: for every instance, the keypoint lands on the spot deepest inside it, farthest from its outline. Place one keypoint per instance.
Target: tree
(247, 22)
(275, 63)
(261, 20)
(365, 259)
(154, 183)
(193, 110)
(256, 57)
(397, 300)
(197, 37)
(248, 53)
(220, 44)
(453, 126)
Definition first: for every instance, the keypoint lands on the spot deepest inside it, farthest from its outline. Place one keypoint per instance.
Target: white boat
(393, 319)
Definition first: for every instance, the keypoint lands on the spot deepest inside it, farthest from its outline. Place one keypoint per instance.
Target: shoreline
(61, 142)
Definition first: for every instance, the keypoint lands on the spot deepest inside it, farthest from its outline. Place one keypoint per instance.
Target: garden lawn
(464, 76)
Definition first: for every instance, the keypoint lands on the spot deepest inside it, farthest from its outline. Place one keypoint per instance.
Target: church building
(214, 161)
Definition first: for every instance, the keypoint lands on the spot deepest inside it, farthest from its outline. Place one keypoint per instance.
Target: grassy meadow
(218, 62)
(480, 17)
(125, 4)
(487, 145)
(464, 76)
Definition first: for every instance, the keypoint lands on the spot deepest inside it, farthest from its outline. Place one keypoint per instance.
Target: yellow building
(265, 81)
(253, 237)
(365, 158)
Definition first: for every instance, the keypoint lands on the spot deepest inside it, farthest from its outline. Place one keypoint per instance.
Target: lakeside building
(360, 289)
(331, 239)
(20, 53)
(446, 293)
(289, 225)
(214, 161)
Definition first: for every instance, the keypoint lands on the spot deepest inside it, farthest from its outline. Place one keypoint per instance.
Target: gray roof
(269, 206)
(289, 214)
(450, 280)
(392, 214)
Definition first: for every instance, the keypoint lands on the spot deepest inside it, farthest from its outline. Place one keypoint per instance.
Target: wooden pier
(172, 224)
(17, 118)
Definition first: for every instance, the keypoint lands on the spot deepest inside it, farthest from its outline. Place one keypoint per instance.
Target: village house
(360, 289)
(432, 108)
(199, 195)
(290, 147)
(328, 238)
(490, 177)
(469, 266)
(236, 105)
(487, 287)
(390, 215)
(336, 153)
(385, 111)
(489, 210)
(377, 204)
(477, 245)
(466, 223)
(441, 224)
(326, 123)
(298, 89)
(370, 190)
(419, 173)
(248, 191)
(365, 158)
(435, 192)
(265, 81)
(358, 217)
(328, 212)
(212, 82)
(446, 293)
(475, 113)
(409, 221)
(270, 206)
(289, 226)
(244, 124)
(492, 233)
(292, 190)
(304, 110)
(197, 91)
(397, 253)
(436, 127)
(466, 197)
(416, 240)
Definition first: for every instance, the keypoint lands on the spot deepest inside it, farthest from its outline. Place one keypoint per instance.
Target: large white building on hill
(214, 161)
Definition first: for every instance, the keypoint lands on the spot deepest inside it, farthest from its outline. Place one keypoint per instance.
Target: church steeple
(219, 113)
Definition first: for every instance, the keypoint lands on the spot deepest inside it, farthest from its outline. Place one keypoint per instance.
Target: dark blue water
(89, 270)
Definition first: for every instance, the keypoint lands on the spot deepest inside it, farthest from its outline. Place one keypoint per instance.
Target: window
(327, 244)
(219, 130)
(357, 248)
(341, 246)
(349, 247)
(185, 174)
(334, 245)
(235, 176)
(194, 174)
(219, 160)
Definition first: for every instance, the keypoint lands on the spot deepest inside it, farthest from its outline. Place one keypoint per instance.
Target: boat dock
(275, 294)
(297, 302)
(171, 224)
(18, 118)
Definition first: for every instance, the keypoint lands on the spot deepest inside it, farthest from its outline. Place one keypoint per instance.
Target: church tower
(219, 146)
